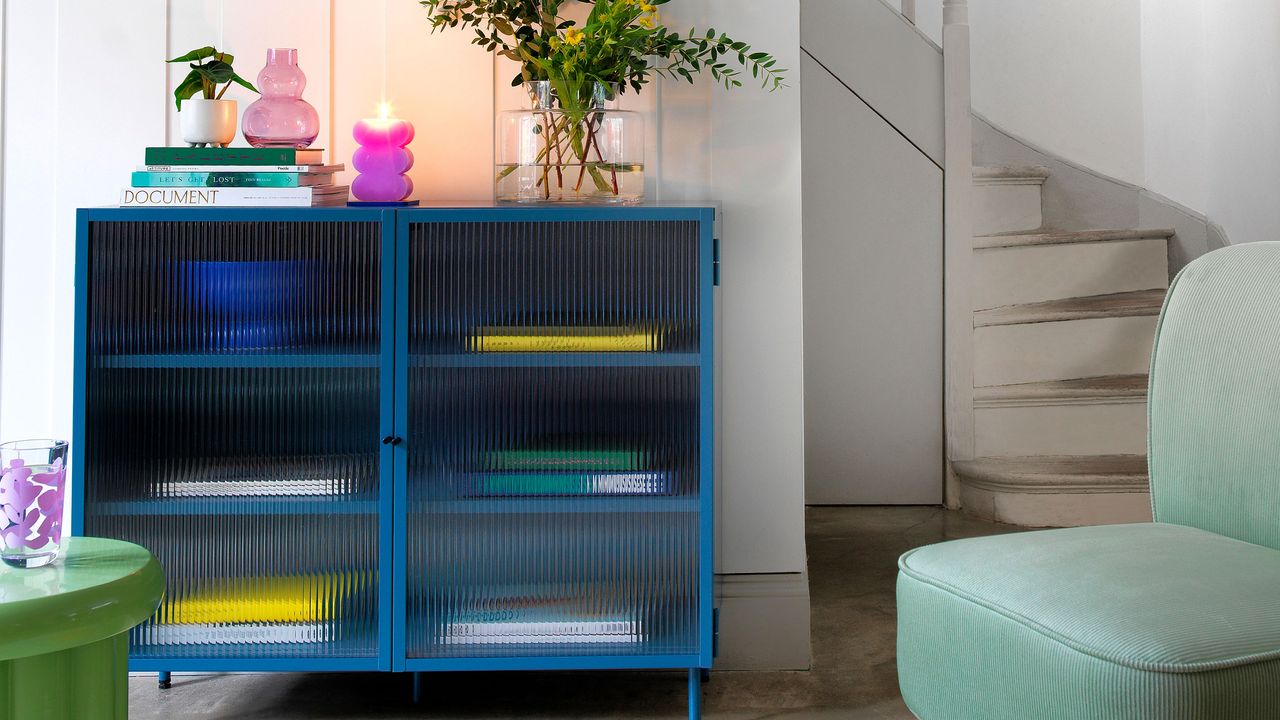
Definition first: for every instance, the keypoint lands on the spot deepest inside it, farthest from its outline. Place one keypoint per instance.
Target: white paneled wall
(71, 134)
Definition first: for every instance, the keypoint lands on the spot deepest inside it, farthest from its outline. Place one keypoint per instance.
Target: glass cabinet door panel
(552, 450)
(232, 416)
(577, 287)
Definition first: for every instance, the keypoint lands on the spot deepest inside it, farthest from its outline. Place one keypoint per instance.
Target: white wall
(68, 142)
(1175, 122)
(1066, 76)
(1243, 128)
(1211, 82)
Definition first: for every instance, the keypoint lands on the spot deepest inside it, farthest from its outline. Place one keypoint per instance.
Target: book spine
(238, 168)
(573, 484)
(215, 197)
(566, 459)
(220, 156)
(214, 179)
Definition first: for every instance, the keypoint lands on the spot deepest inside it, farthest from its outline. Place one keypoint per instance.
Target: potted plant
(573, 144)
(208, 119)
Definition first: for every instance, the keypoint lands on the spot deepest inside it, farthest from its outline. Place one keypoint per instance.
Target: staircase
(1062, 336)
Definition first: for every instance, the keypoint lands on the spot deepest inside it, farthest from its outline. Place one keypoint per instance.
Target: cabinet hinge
(715, 262)
(715, 632)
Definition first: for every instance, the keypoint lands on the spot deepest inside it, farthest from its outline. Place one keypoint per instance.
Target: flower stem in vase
(613, 168)
(588, 167)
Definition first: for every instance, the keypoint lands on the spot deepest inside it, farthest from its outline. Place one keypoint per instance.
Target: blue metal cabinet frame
(394, 362)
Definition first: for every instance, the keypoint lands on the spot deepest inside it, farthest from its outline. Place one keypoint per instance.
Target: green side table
(64, 642)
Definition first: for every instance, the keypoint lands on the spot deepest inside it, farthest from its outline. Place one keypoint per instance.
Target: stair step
(1115, 305)
(1062, 473)
(1003, 240)
(1030, 273)
(1116, 428)
(1007, 199)
(1056, 491)
(1044, 351)
(994, 174)
(1090, 390)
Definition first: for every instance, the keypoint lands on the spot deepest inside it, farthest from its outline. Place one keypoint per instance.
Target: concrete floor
(852, 566)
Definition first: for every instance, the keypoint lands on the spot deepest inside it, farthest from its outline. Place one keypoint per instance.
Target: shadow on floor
(852, 568)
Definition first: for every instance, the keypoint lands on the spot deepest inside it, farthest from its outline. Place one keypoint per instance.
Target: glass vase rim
(282, 55)
(542, 94)
(33, 444)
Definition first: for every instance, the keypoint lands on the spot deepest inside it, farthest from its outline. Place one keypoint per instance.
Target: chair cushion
(1147, 621)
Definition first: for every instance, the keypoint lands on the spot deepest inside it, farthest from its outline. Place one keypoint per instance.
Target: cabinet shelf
(561, 504)
(448, 360)
(262, 505)
(557, 359)
(238, 360)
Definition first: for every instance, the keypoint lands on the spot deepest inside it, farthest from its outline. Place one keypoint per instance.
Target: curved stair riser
(1007, 354)
(1076, 429)
(1037, 273)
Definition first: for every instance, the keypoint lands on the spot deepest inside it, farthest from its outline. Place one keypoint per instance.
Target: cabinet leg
(695, 694)
(163, 680)
(417, 688)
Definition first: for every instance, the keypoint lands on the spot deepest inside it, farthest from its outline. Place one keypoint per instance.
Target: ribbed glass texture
(553, 439)
(232, 417)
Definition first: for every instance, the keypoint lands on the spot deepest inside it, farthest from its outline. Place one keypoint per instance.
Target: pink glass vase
(281, 118)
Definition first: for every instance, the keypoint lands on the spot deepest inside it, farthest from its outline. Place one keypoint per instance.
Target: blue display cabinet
(404, 440)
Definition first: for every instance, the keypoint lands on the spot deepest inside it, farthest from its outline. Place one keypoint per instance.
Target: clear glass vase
(582, 150)
(33, 477)
(281, 118)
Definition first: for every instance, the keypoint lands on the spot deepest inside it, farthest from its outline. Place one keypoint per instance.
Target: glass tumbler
(32, 488)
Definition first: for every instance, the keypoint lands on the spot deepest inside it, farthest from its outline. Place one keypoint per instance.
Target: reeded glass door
(553, 470)
(233, 407)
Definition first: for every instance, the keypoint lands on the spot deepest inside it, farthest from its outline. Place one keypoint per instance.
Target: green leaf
(216, 71)
(200, 54)
(243, 83)
(189, 86)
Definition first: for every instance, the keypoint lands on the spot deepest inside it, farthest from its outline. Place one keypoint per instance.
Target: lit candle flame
(384, 110)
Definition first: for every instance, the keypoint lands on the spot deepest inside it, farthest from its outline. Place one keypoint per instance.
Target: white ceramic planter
(208, 122)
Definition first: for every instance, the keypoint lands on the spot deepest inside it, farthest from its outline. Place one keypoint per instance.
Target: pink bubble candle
(382, 158)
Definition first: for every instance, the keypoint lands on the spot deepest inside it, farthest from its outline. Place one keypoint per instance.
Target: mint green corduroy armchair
(1171, 620)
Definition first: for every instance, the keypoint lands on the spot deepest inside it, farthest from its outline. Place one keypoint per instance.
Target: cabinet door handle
(392, 440)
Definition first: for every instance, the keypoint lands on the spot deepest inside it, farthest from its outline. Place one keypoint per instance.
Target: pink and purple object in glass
(32, 482)
(281, 118)
(382, 158)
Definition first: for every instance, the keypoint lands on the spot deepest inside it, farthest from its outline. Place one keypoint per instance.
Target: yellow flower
(646, 7)
(649, 21)
(554, 43)
(573, 36)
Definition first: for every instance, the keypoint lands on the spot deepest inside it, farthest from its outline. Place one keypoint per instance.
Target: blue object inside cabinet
(409, 440)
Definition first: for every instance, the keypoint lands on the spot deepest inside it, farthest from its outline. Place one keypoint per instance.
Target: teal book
(233, 156)
(564, 484)
(562, 459)
(143, 179)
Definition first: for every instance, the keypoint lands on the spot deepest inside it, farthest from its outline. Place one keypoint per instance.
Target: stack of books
(548, 338)
(535, 626)
(253, 610)
(565, 473)
(234, 177)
